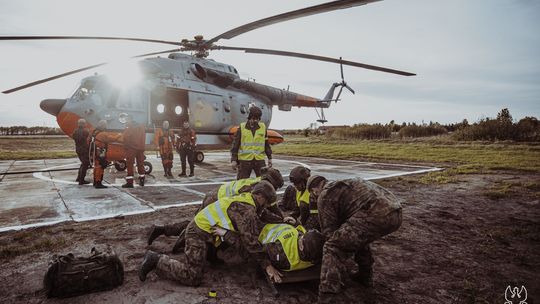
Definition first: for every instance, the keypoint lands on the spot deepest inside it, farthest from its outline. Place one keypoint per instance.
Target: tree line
(24, 130)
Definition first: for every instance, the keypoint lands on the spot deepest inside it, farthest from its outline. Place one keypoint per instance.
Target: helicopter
(181, 87)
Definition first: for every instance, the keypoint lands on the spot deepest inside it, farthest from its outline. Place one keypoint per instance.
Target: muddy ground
(461, 242)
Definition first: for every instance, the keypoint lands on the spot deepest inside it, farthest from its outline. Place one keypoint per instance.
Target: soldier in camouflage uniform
(270, 215)
(353, 213)
(210, 227)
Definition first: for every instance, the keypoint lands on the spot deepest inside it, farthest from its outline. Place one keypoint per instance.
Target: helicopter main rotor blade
(308, 11)
(86, 38)
(31, 84)
(314, 57)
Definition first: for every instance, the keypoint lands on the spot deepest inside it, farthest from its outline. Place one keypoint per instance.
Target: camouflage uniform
(353, 213)
(301, 212)
(189, 268)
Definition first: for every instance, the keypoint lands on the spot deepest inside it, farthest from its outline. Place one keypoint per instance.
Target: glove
(289, 220)
(269, 163)
(218, 231)
(234, 165)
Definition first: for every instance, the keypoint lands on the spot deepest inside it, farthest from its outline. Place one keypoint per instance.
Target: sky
(473, 58)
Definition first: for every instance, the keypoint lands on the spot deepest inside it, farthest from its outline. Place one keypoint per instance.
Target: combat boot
(170, 173)
(191, 174)
(148, 264)
(141, 181)
(128, 184)
(99, 185)
(154, 233)
(183, 174)
(84, 182)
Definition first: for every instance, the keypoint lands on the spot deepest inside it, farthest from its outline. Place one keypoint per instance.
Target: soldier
(134, 141)
(353, 213)
(230, 189)
(100, 140)
(185, 145)
(300, 206)
(250, 145)
(164, 138)
(208, 229)
(290, 248)
(80, 136)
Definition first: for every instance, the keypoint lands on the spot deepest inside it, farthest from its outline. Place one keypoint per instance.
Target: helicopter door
(169, 104)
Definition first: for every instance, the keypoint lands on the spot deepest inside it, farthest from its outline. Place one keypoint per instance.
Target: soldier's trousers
(85, 164)
(190, 155)
(188, 269)
(167, 156)
(354, 236)
(246, 166)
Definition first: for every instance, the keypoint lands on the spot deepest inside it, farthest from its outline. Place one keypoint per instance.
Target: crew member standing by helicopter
(134, 140)
(80, 136)
(250, 145)
(164, 138)
(185, 145)
(100, 140)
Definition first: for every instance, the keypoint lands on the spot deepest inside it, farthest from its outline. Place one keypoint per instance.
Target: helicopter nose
(52, 106)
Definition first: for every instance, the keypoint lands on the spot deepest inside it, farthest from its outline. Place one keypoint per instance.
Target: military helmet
(254, 112)
(313, 181)
(313, 245)
(266, 189)
(273, 176)
(299, 174)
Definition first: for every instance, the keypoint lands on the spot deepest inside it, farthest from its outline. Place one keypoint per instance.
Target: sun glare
(124, 74)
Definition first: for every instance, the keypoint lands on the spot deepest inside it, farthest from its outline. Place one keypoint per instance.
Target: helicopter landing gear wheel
(120, 165)
(147, 167)
(199, 156)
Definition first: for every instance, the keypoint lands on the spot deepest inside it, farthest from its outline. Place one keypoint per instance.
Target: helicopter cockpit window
(86, 89)
(243, 109)
(178, 110)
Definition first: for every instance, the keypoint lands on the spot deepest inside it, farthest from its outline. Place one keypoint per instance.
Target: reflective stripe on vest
(231, 188)
(215, 214)
(314, 211)
(252, 147)
(302, 197)
(287, 236)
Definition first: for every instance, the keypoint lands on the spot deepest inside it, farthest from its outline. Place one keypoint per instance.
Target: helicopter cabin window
(178, 110)
(243, 109)
(160, 108)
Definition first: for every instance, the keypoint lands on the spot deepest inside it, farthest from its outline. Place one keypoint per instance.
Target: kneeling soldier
(353, 213)
(209, 228)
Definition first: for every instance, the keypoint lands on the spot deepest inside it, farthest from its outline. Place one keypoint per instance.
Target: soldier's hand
(269, 163)
(273, 273)
(234, 165)
(289, 220)
(218, 231)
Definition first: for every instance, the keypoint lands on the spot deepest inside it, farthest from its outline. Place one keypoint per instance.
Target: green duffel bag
(69, 276)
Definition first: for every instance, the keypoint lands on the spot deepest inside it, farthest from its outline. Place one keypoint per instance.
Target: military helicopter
(181, 87)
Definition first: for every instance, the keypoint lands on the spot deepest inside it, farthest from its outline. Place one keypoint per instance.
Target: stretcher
(304, 275)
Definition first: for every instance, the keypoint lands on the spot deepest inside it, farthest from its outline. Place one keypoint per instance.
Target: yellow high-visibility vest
(215, 214)
(231, 188)
(302, 197)
(252, 147)
(287, 235)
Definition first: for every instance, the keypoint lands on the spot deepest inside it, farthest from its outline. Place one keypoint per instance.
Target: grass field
(460, 157)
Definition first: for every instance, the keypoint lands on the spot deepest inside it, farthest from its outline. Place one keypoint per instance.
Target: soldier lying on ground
(239, 213)
(353, 213)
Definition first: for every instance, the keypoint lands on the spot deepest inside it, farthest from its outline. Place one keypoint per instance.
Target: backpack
(69, 276)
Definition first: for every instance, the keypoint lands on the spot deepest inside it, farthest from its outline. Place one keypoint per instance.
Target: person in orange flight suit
(165, 139)
(100, 140)
(134, 141)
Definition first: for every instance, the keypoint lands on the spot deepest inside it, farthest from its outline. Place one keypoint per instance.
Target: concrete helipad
(44, 198)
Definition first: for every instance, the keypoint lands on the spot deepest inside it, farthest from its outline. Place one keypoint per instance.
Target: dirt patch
(458, 244)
